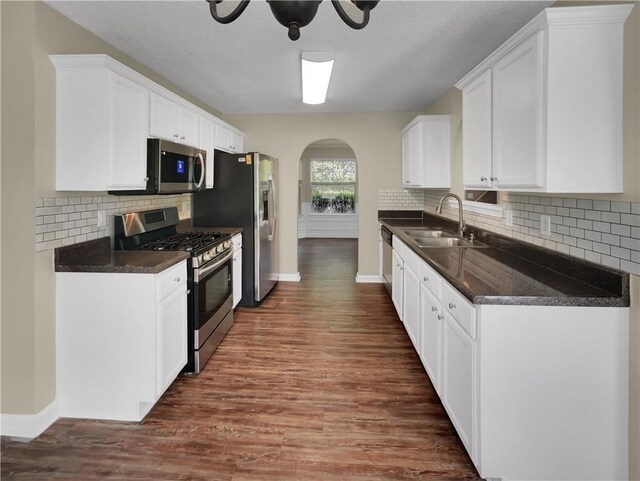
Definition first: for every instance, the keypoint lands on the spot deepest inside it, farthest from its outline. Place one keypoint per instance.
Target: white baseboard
(289, 277)
(368, 279)
(28, 425)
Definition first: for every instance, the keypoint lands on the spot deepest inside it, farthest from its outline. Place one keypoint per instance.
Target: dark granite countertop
(508, 271)
(98, 256)
(187, 226)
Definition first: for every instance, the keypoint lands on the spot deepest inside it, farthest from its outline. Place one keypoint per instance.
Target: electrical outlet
(545, 224)
(509, 217)
(102, 218)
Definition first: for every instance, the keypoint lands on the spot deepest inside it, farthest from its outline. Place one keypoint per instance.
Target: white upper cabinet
(102, 122)
(227, 139)
(173, 122)
(426, 152)
(543, 113)
(105, 112)
(476, 132)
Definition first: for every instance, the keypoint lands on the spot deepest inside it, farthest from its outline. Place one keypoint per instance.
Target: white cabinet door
(237, 277)
(396, 282)
(237, 142)
(207, 139)
(130, 116)
(459, 394)
(189, 127)
(476, 132)
(431, 336)
(164, 118)
(411, 305)
(171, 352)
(517, 116)
(412, 157)
(223, 138)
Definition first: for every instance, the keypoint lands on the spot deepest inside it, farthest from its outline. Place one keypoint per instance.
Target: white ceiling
(406, 58)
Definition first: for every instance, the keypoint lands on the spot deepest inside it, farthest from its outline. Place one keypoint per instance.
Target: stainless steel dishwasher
(387, 257)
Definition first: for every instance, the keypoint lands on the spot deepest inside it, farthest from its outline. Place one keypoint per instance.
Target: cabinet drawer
(173, 278)
(237, 242)
(411, 260)
(398, 246)
(431, 279)
(460, 309)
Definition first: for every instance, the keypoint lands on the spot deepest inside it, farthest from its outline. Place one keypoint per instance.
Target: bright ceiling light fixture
(297, 14)
(316, 74)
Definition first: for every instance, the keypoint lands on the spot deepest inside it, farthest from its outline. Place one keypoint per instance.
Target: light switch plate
(102, 218)
(545, 224)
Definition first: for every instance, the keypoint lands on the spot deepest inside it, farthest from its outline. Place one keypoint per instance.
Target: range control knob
(227, 244)
(206, 256)
(219, 249)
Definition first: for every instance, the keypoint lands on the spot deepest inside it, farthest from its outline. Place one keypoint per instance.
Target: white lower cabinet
(534, 392)
(397, 282)
(458, 392)
(237, 269)
(430, 334)
(121, 340)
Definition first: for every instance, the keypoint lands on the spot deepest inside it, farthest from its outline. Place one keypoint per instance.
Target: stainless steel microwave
(172, 169)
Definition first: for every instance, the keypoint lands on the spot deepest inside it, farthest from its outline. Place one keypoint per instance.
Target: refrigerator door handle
(272, 208)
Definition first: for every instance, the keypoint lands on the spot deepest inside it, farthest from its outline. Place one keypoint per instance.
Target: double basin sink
(438, 238)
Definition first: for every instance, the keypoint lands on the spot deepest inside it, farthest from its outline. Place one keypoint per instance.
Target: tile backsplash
(400, 199)
(600, 231)
(68, 220)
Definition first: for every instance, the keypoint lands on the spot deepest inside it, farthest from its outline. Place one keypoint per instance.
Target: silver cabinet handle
(440, 317)
(176, 135)
(452, 305)
(182, 138)
(188, 291)
(434, 308)
(494, 178)
(483, 179)
(146, 179)
(426, 279)
(177, 279)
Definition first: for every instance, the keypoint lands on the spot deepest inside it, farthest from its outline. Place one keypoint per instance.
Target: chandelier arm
(348, 20)
(232, 16)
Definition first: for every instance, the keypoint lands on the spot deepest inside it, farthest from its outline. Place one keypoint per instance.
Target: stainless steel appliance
(209, 274)
(387, 257)
(245, 196)
(171, 169)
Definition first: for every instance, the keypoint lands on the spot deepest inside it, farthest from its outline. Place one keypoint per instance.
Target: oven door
(213, 296)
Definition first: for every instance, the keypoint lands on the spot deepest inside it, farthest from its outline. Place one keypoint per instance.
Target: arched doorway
(328, 191)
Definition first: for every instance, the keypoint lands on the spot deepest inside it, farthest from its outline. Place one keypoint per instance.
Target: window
(333, 186)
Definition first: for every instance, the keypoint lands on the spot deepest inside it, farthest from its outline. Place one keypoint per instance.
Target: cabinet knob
(452, 305)
(494, 178)
(177, 279)
(434, 308)
(440, 317)
(188, 291)
(483, 179)
(175, 136)
(146, 179)
(182, 138)
(426, 279)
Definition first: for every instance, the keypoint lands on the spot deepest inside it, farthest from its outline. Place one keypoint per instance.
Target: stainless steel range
(210, 272)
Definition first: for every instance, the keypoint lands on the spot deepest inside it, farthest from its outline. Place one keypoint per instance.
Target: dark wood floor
(319, 383)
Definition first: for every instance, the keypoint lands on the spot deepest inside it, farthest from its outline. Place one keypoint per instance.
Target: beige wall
(451, 103)
(30, 32)
(375, 140)
(312, 152)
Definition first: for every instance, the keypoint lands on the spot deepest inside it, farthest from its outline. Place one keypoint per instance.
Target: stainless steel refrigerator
(244, 195)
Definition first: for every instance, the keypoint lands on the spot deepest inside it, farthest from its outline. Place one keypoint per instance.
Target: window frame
(354, 184)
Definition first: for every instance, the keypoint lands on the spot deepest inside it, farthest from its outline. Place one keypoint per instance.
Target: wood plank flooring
(319, 383)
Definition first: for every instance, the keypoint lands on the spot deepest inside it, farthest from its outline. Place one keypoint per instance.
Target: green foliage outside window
(333, 186)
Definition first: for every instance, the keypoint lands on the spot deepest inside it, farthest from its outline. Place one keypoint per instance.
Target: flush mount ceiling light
(297, 14)
(316, 73)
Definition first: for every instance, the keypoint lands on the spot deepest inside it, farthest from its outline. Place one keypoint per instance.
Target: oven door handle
(200, 273)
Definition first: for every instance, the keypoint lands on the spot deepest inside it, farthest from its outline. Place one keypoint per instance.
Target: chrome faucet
(461, 225)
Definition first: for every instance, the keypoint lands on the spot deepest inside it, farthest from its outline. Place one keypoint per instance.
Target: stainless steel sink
(428, 234)
(444, 242)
